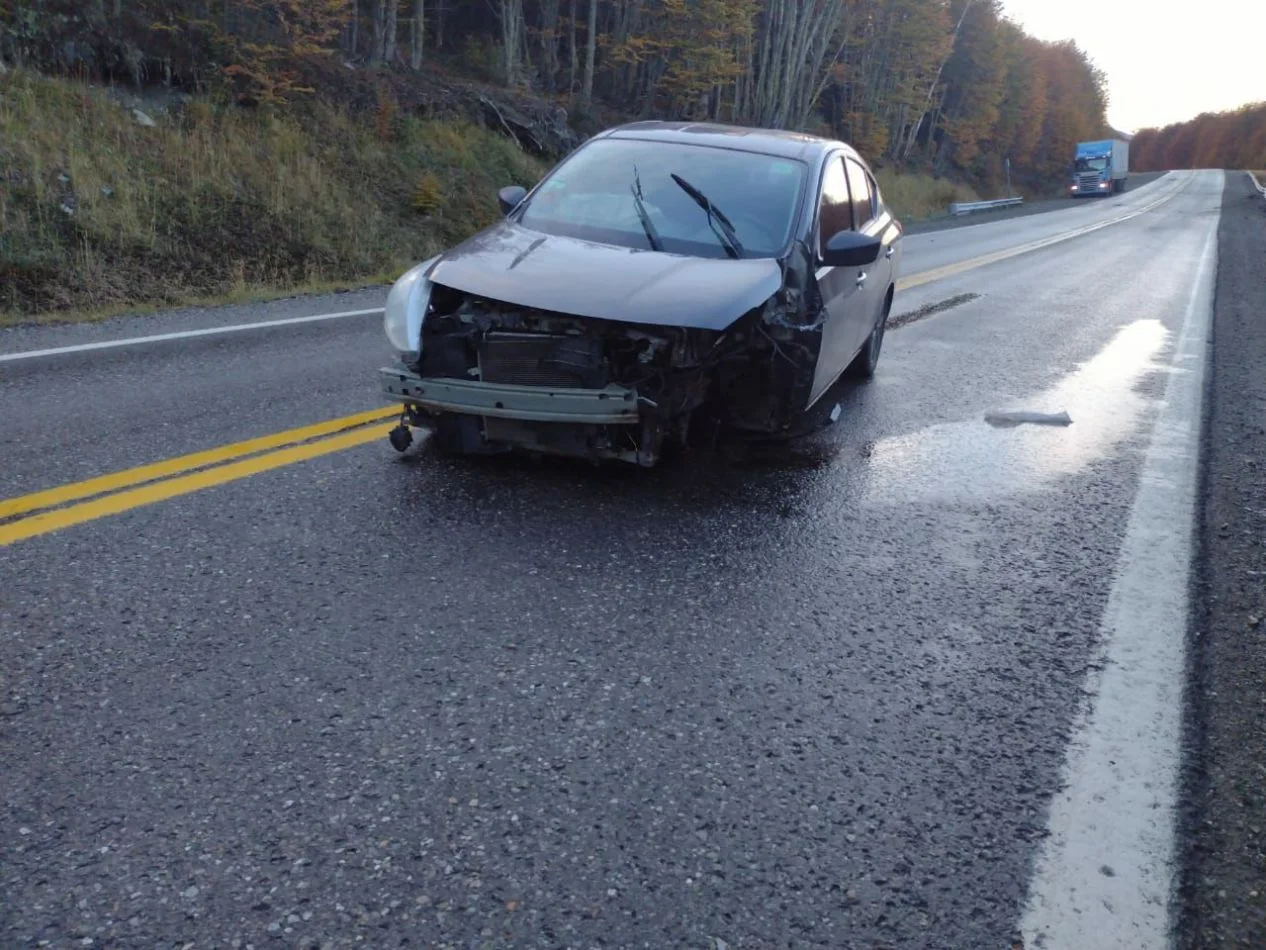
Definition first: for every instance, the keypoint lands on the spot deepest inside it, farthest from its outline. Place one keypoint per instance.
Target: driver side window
(835, 211)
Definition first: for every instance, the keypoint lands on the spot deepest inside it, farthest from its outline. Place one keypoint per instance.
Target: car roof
(777, 142)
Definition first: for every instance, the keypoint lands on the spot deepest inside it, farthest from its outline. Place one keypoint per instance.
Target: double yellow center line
(41, 512)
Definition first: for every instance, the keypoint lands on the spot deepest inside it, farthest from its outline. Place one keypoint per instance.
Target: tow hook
(401, 438)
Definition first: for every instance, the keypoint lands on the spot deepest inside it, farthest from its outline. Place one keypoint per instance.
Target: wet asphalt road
(816, 700)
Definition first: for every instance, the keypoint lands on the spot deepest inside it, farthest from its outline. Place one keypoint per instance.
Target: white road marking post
(1104, 878)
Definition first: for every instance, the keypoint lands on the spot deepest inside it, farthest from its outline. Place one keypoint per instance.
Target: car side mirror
(510, 197)
(851, 249)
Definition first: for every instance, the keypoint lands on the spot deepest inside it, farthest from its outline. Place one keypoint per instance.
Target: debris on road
(1001, 420)
(931, 309)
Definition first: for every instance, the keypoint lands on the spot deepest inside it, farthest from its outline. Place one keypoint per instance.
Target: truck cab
(1100, 168)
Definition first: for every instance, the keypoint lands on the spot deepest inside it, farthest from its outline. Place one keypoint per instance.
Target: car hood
(515, 265)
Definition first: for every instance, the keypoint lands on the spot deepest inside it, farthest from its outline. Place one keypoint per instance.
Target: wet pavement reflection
(974, 459)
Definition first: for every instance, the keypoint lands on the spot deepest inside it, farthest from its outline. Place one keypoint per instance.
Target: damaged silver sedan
(664, 283)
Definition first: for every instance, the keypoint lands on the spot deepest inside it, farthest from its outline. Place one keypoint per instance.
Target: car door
(842, 291)
(874, 278)
(891, 231)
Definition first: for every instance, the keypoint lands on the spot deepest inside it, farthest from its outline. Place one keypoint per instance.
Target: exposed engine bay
(678, 384)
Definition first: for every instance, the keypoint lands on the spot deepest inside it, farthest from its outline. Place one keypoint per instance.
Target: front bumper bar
(613, 405)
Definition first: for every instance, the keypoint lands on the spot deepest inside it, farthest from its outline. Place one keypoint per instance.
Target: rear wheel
(864, 363)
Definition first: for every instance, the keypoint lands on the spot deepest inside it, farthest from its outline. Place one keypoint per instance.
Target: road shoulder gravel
(1224, 845)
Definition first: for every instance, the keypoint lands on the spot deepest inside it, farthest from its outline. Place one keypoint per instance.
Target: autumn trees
(1213, 140)
(945, 84)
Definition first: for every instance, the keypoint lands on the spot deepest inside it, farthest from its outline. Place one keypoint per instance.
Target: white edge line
(181, 335)
(1105, 875)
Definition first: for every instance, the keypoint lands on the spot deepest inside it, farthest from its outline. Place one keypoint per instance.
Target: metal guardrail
(971, 207)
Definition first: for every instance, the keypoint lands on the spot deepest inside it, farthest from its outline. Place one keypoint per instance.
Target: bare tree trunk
(571, 46)
(441, 15)
(354, 27)
(591, 46)
(807, 103)
(549, 44)
(393, 21)
(510, 14)
(789, 59)
(914, 128)
(378, 53)
(419, 26)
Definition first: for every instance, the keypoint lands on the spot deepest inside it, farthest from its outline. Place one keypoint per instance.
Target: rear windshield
(590, 196)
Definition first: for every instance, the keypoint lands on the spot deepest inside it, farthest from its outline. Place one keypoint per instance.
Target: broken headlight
(406, 307)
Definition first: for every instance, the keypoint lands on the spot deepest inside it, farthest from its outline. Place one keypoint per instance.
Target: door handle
(888, 254)
(861, 278)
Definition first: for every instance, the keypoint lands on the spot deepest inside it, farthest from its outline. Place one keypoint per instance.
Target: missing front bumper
(613, 405)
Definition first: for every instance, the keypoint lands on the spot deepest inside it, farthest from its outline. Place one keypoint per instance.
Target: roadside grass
(100, 214)
(915, 197)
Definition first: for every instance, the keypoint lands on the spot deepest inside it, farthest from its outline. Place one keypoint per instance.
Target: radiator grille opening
(538, 359)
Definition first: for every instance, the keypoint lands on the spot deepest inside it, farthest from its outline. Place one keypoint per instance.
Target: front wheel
(457, 434)
(864, 363)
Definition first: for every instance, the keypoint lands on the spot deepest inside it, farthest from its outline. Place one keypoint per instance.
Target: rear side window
(863, 199)
(835, 214)
(876, 199)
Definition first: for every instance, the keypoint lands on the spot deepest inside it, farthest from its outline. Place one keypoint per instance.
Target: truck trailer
(1100, 168)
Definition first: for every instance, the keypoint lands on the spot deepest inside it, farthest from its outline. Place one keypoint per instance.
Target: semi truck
(1100, 168)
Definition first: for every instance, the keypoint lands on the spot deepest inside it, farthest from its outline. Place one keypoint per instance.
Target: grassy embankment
(101, 214)
(914, 196)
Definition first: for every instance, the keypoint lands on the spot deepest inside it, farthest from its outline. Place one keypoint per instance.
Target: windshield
(592, 196)
(1091, 164)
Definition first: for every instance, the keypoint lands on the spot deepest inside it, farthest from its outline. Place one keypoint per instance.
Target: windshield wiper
(719, 223)
(651, 234)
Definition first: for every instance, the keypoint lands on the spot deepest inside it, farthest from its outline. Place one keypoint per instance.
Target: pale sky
(1165, 61)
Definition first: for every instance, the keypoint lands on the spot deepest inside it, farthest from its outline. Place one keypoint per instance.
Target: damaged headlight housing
(406, 307)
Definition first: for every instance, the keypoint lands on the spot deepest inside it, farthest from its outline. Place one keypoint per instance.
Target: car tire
(864, 363)
(456, 435)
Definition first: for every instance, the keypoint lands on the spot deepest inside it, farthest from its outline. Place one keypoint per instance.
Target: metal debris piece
(1005, 420)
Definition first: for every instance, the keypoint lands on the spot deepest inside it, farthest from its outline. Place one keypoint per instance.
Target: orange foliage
(1231, 140)
(272, 38)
